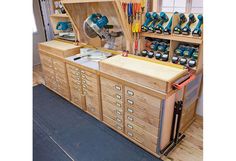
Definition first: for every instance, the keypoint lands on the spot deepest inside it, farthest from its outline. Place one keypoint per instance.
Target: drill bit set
(186, 54)
(156, 48)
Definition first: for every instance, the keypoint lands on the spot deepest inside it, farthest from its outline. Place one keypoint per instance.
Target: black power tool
(182, 19)
(191, 19)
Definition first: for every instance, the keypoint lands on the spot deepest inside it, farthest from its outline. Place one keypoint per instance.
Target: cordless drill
(197, 31)
(182, 19)
(147, 22)
(156, 18)
(164, 18)
(186, 30)
(167, 30)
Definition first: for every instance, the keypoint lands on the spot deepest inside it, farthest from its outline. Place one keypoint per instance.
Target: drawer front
(112, 112)
(113, 94)
(146, 117)
(112, 101)
(112, 123)
(46, 60)
(142, 138)
(64, 92)
(117, 87)
(51, 85)
(141, 124)
(148, 102)
(76, 98)
(90, 86)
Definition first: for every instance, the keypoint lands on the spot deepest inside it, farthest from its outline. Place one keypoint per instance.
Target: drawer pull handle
(82, 71)
(83, 76)
(130, 101)
(130, 126)
(77, 73)
(84, 86)
(118, 104)
(130, 110)
(118, 96)
(119, 120)
(130, 134)
(130, 118)
(84, 82)
(117, 87)
(131, 93)
(118, 127)
(118, 112)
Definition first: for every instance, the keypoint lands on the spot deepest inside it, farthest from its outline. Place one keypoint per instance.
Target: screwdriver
(124, 5)
(130, 12)
(143, 3)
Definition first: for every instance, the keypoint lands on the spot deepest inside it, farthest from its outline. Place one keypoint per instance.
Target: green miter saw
(97, 25)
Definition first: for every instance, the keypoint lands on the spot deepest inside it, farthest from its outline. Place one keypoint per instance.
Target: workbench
(132, 96)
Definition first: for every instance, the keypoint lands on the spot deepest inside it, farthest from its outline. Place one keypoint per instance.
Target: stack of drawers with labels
(112, 104)
(91, 92)
(74, 77)
(55, 75)
(142, 113)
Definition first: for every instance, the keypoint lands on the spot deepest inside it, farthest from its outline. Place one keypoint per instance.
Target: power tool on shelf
(197, 31)
(144, 53)
(167, 30)
(165, 56)
(147, 22)
(97, 25)
(182, 19)
(154, 46)
(158, 55)
(164, 18)
(66, 30)
(150, 54)
(191, 19)
(156, 18)
(188, 51)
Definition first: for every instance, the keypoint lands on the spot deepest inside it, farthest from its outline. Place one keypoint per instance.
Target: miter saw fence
(97, 25)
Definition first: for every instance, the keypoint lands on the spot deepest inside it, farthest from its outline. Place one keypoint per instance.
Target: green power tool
(197, 31)
(167, 30)
(147, 22)
(156, 18)
(164, 18)
(191, 19)
(182, 19)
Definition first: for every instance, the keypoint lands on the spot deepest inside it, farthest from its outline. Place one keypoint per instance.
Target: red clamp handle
(184, 83)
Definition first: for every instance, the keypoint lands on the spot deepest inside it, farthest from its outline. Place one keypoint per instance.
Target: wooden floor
(190, 149)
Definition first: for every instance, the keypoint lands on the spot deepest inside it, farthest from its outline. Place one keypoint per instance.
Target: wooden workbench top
(59, 45)
(154, 70)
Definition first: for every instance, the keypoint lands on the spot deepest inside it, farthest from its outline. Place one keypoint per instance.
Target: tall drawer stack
(142, 113)
(91, 92)
(131, 112)
(112, 104)
(55, 75)
(75, 85)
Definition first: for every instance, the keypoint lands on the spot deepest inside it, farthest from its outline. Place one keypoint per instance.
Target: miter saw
(97, 25)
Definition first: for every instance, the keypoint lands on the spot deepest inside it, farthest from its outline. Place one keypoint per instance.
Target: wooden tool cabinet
(132, 95)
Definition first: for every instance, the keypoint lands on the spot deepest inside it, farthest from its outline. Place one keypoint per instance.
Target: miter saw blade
(89, 31)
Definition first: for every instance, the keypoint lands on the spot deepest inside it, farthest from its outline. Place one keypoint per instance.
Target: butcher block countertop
(153, 75)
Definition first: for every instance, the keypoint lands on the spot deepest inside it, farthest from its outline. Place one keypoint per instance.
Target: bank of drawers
(142, 117)
(55, 75)
(75, 85)
(84, 85)
(112, 104)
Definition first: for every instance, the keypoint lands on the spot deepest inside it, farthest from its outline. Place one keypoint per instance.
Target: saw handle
(184, 83)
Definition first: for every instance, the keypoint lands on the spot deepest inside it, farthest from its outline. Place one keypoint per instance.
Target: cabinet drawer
(46, 60)
(59, 69)
(141, 137)
(77, 99)
(92, 88)
(112, 101)
(51, 85)
(47, 71)
(111, 93)
(112, 123)
(148, 102)
(112, 112)
(117, 87)
(88, 74)
(141, 124)
(143, 115)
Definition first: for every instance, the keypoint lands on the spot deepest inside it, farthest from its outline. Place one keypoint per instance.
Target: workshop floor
(190, 149)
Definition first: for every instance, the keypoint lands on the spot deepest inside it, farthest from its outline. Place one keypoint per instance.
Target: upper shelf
(60, 15)
(173, 37)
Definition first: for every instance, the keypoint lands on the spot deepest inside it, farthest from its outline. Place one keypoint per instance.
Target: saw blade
(89, 32)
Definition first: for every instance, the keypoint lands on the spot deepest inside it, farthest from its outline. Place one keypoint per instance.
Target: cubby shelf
(173, 37)
(59, 15)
